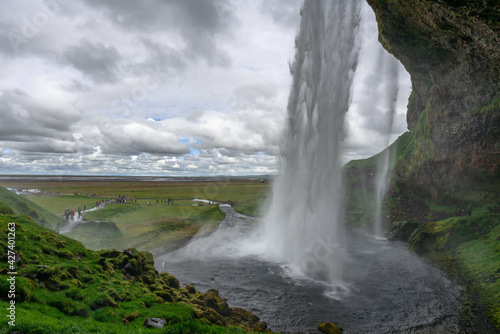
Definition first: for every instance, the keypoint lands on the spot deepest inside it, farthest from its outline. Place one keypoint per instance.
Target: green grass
(63, 287)
(138, 224)
(57, 204)
(23, 206)
(253, 208)
(359, 182)
(221, 190)
(148, 227)
(469, 249)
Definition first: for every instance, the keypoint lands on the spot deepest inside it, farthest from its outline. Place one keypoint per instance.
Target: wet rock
(154, 323)
(261, 326)
(129, 253)
(241, 314)
(401, 230)
(191, 289)
(330, 328)
(110, 253)
(172, 281)
(132, 268)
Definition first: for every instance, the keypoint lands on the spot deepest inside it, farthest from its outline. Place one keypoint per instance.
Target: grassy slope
(469, 249)
(65, 288)
(359, 182)
(253, 208)
(23, 206)
(149, 227)
(152, 228)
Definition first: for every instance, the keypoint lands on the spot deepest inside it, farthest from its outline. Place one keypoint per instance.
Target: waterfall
(304, 226)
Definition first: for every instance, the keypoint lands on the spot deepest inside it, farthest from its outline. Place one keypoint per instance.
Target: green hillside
(63, 287)
(23, 206)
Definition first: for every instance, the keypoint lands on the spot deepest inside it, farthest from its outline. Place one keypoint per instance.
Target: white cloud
(173, 87)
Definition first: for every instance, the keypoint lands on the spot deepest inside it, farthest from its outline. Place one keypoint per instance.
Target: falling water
(304, 226)
(379, 93)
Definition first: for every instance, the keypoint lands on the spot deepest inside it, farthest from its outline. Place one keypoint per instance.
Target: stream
(386, 289)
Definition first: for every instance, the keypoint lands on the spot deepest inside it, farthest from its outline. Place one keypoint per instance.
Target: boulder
(191, 289)
(154, 323)
(330, 328)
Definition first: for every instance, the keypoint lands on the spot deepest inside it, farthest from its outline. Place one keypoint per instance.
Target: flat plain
(147, 221)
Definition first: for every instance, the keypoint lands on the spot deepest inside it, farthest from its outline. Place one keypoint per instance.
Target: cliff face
(451, 48)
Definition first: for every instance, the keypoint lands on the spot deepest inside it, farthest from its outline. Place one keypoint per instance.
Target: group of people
(169, 201)
(70, 214)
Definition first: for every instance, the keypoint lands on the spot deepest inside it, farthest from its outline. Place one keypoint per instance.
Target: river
(386, 288)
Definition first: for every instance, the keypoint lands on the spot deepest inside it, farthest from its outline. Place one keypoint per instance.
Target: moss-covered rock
(467, 248)
(97, 292)
(330, 328)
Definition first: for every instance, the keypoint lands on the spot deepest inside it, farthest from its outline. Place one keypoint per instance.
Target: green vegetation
(253, 208)
(13, 204)
(359, 182)
(469, 249)
(148, 227)
(62, 287)
(155, 227)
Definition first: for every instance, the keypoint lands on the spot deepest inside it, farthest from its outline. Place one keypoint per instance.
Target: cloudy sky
(155, 87)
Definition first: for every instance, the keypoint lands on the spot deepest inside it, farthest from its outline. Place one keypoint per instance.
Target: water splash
(304, 226)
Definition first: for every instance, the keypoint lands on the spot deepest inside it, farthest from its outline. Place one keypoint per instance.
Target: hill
(22, 206)
(62, 287)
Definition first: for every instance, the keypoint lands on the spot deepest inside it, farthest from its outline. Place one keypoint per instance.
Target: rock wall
(451, 48)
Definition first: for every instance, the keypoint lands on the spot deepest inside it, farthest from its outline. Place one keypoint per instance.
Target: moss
(75, 290)
(6, 209)
(467, 248)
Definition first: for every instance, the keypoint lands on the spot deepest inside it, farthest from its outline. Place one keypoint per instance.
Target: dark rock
(154, 323)
(244, 315)
(129, 253)
(110, 253)
(191, 289)
(450, 49)
(173, 282)
(401, 230)
(261, 326)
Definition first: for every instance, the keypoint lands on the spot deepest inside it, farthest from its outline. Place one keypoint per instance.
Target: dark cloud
(197, 22)
(96, 60)
(23, 117)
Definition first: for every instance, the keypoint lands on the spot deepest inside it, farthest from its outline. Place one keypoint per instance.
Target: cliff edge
(451, 48)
